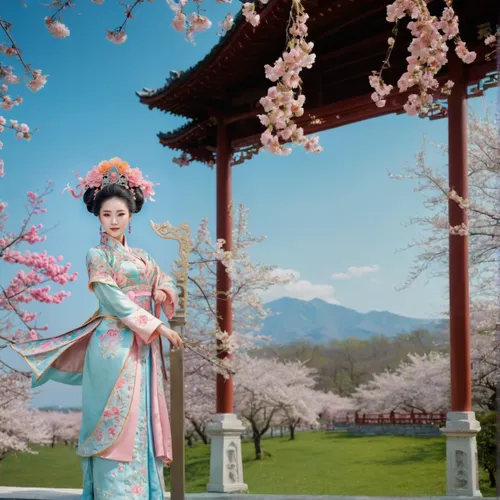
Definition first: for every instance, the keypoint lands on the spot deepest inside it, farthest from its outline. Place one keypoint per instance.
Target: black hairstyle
(94, 204)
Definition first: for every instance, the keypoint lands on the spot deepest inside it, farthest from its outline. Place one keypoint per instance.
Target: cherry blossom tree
(199, 397)
(20, 425)
(62, 427)
(248, 280)
(271, 392)
(18, 323)
(482, 207)
(422, 382)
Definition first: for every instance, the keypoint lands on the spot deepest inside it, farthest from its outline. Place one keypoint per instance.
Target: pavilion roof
(350, 38)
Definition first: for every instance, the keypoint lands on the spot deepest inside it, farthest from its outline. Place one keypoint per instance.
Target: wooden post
(224, 387)
(461, 392)
(177, 475)
(225, 430)
(462, 478)
(181, 234)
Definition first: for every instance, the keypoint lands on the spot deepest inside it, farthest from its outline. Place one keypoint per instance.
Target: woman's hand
(171, 335)
(160, 296)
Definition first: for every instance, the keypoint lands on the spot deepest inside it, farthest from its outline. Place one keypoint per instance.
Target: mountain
(319, 322)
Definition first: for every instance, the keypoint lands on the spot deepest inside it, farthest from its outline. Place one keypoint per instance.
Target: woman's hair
(113, 191)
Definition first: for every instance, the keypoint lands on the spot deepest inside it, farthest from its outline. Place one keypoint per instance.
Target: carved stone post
(181, 234)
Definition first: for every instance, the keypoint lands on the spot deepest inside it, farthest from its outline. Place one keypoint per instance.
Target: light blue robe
(117, 357)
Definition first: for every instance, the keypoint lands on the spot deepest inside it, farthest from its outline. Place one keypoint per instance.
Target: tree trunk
(292, 432)
(493, 479)
(200, 431)
(259, 454)
(203, 436)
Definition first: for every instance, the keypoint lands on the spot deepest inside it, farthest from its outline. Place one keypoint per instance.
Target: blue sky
(321, 214)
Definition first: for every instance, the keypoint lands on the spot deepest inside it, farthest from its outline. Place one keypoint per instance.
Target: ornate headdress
(114, 171)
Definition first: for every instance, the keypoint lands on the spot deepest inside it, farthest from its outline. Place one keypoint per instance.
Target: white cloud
(355, 272)
(298, 289)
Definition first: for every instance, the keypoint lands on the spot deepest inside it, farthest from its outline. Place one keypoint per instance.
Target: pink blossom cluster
(428, 54)
(459, 230)
(226, 24)
(183, 160)
(284, 102)
(191, 24)
(22, 130)
(35, 81)
(26, 287)
(56, 28)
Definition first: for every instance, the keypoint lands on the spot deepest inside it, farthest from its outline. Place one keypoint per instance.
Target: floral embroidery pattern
(142, 320)
(109, 343)
(35, 347)
(115, 413)
(135, 480)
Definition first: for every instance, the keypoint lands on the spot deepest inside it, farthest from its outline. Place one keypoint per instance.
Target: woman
(117, 355)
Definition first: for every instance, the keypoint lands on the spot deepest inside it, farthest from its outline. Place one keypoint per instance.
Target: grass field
(316, 463)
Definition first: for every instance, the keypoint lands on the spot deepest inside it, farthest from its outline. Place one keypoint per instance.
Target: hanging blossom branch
(25, 288)
(34, 78)
(285, 101)
(428, 54)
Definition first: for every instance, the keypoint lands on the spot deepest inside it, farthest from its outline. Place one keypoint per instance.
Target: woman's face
(114, 217)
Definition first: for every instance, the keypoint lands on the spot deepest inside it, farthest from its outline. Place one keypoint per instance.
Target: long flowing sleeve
(133, 316)
(102, 283)
(165, 283)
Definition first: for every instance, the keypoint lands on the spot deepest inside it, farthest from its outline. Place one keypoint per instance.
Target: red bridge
(417, 418)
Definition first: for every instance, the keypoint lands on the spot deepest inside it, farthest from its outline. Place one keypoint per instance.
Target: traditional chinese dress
(125, 436)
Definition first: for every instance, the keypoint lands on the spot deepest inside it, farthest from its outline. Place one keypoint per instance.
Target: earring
(100, 229)
(129, 229)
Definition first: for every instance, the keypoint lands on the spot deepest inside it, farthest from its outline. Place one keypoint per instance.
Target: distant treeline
(343, 365)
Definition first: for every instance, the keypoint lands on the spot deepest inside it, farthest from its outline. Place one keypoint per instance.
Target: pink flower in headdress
(147, 187)
(94, 178)
(117, 171)
(134, 177)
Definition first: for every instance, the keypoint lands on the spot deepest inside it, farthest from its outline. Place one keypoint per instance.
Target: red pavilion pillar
(224, 396)
(461, 424)
(225, 430)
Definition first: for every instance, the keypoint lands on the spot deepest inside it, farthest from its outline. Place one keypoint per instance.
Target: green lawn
(316, 463)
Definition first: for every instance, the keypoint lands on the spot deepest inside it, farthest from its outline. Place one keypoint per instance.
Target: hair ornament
(113, 171)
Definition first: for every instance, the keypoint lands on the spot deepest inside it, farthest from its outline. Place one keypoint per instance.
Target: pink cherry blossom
(199, 23)
(116, 37)
(490, 40)
(226, 24)
(56, 28)
(428, 51)
(137, 489)
(284, 102)
(248, 10)
(31, 282)
(179, 22)
(38, 81)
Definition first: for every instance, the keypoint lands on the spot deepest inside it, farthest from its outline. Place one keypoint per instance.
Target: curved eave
(198, 139)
